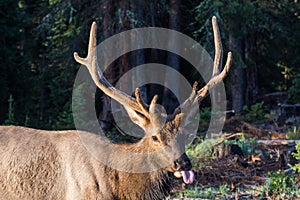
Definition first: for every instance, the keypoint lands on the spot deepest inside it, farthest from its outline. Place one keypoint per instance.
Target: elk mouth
(188, 177)
(182, 169)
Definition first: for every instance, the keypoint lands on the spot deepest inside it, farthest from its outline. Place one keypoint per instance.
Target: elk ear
(178, 119)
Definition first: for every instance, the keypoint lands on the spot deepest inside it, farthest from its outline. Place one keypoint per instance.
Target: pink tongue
(188, 176)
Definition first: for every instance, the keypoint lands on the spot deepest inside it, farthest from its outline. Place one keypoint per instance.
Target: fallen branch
(277, 142)
(227, 137)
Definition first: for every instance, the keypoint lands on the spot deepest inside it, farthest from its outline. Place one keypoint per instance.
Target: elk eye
(155, 138)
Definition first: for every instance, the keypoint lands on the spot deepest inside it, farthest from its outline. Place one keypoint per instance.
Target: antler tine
(90, 60)
(103, 84)
(215, 80)
(218, 47)
(143, 106)
(217, 77)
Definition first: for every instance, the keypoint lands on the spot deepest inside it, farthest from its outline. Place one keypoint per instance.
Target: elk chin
(177, 174)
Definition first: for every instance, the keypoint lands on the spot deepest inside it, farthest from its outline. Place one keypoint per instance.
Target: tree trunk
(138, 57)
(252, 73)
(107, 118)
(170, 101)
(155, 57)
(238, 74)
(125, 62)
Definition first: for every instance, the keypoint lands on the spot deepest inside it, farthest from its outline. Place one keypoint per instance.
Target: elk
(40, 164)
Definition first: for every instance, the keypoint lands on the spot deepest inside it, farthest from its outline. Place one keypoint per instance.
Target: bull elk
(40, 164)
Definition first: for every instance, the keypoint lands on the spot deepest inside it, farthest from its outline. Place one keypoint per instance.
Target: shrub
(281, 186)
(294, 91)
(255, 112)
(297, 156)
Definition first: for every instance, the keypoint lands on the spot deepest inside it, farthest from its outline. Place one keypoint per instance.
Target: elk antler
(135, 107)
(217, 77)
(198, 95)
(102, 83)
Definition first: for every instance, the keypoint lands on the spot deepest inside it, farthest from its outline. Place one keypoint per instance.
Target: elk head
(162, 134)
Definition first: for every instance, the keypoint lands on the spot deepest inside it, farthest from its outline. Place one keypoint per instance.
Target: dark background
(38, 38)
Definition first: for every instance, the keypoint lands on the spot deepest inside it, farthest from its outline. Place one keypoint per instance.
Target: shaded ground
(242, 166)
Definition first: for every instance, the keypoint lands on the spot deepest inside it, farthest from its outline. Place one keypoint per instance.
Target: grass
(296, 155)
(281, 186)
(206, 193)
(293, 133)
(201, 152)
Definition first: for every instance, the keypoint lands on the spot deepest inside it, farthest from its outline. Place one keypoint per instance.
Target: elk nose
(182, 163)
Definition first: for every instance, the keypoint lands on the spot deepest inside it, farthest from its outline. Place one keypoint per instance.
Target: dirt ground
(268, 151)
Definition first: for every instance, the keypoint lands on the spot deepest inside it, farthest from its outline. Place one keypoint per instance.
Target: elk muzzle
(183, 168)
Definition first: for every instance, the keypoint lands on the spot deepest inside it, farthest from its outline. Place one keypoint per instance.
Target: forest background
(38, 38)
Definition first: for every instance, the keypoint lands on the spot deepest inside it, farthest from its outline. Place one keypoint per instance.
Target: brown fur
(37, 164)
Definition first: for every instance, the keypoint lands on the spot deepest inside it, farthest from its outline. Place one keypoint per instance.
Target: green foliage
(268, 29)
(225, 10)
(13, 56)
(38, 68)
(204, 118)
(80, 105)
(205, 113)
(297, 156)
(246, 147)
(271, 116)
(223, 190)
(65, 119)
(281, 186)
(293, 133)
(255, 112)
(201, 152)
(207, 193)
(11, 115)
(193, 192)
(294, 90)
(38, 39)
(52, 2)
(27, 121)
